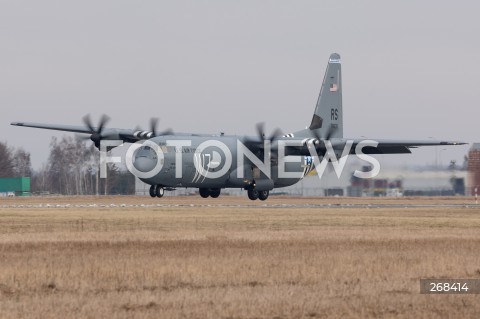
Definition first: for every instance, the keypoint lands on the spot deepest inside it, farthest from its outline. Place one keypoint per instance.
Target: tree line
(72, 168)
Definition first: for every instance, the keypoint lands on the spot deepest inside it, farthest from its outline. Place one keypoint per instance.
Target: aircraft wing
(97, 133)
(398, 146)
(384, 146)
(58, 127)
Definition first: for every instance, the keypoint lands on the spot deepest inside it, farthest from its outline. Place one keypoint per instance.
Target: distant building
(18, 186)
(427, 182)
(474, 169)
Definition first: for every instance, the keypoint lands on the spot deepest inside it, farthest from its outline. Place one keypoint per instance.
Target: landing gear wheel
(263, 195)
(215, 192)
(153, 190)
(252, 194)
(159, 191)
(204, 192)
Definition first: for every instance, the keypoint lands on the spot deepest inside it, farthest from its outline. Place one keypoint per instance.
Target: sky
(410, 69)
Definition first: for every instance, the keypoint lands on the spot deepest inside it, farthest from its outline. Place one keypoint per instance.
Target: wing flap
(385, 149)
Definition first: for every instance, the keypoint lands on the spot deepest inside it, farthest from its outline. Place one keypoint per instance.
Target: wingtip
(16, 123)
(453, 143)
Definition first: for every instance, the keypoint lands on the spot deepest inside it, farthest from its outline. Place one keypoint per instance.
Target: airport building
(474, 169)
(389, 182)
(17, 186)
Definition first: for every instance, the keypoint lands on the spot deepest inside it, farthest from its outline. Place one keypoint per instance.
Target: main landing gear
(157, 191)
(254, 194)
(212, 192)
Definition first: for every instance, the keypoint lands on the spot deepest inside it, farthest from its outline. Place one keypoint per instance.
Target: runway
(247, 205)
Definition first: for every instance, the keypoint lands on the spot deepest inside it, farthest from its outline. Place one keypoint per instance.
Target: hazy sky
(410, 68)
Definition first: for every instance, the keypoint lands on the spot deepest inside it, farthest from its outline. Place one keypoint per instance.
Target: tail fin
(327, 120)
(328, 116)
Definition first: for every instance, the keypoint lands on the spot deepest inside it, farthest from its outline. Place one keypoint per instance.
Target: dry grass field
(187, 257)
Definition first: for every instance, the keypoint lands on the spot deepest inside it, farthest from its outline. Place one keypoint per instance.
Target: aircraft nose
(145, 160)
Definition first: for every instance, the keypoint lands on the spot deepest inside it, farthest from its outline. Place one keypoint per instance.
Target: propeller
(329, 134)
(321, 148)
(139, 133)
(257, 145)
(261, 133)
(96, 132)
(153, 128)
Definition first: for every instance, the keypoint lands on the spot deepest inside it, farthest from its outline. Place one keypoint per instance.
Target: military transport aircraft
(258, 164)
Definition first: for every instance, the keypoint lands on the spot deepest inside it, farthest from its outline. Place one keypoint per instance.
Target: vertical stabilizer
(328, 117)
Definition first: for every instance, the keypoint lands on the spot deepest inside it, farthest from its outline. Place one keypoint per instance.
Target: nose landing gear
(156, 191)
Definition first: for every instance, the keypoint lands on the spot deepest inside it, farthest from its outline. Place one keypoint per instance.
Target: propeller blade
(81, 137)
(88, 122)
(153, 125)
(277, 133)
(330, 132)
(103, 121)
(261, 130)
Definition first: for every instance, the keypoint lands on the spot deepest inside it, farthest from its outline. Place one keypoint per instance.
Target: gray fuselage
(216, 161)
